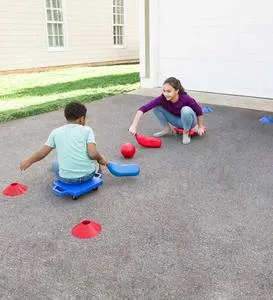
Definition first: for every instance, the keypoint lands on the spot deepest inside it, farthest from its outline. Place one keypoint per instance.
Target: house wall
(88, 28)
(214, 46)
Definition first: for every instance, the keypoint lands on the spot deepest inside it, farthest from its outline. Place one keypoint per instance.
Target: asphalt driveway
(195, 224)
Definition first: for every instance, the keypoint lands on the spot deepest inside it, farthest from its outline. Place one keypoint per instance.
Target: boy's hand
(102, 161)
(25, 164)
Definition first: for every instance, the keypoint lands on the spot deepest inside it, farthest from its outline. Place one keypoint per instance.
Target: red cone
(86, 229)
(15, 189)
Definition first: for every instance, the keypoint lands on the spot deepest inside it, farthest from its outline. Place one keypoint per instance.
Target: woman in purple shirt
(173, 107)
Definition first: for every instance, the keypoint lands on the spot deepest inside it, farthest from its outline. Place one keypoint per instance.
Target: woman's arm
(199, 113)
(201, 128)
(144, 108)
(133, 127)
(200, 121)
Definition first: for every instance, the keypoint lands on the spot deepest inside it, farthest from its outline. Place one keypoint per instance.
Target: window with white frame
(118, 22)
(55, 24)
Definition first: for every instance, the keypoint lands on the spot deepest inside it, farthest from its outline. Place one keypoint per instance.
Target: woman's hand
(201, 130)
(132, 130)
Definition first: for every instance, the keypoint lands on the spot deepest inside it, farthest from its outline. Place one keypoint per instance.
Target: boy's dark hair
(74, 110)
(175, 83)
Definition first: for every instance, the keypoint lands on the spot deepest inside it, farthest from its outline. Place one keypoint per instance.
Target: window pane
(60, 15)
(55, 29)
(56, 41)
(57, 15)
(118, 10)
(50, 41)
(59, 3)
(120, 19)
(115, 41)
(49, 29)
(49, 16)
(61, 39)
(54, 2)
(60, 27)
(47, 3)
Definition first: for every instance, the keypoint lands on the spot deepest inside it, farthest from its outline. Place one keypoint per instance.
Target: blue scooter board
(76, 190)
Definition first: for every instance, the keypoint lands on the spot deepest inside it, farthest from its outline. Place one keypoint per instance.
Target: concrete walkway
(261, 104)
(196, 224)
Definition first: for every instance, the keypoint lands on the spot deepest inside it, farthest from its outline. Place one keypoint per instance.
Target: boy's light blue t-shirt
(71, 142)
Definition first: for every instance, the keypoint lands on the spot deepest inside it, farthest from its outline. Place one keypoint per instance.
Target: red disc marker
(15, 189)
(86, 229)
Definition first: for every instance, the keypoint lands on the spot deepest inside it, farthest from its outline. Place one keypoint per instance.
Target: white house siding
(215, 46)
(88, 28)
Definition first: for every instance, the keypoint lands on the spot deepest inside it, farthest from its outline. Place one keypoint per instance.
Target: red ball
(128, 150)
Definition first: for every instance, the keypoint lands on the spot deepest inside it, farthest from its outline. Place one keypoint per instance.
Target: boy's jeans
(187, 120)
(55, 169)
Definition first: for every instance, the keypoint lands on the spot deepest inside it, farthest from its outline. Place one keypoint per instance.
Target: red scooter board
(192, 131)
(148, 141)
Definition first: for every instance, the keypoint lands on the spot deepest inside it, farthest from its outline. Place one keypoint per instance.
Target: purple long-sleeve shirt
(174, 108)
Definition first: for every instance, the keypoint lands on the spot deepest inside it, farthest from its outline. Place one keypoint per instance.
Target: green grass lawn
(24, 95)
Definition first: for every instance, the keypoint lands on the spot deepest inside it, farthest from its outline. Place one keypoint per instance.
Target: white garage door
(217, 46)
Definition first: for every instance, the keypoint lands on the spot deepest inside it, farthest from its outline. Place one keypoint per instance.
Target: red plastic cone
(15, 189)
(86, 229)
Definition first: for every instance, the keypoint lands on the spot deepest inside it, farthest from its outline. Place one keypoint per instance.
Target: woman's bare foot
(195, 128)
(166, 131)
(186, 139)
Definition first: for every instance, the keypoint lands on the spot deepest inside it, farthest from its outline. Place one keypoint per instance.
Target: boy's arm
(95, 155)
(37, 156)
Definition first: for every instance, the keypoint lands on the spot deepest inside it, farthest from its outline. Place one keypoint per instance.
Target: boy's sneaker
(186, 139)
